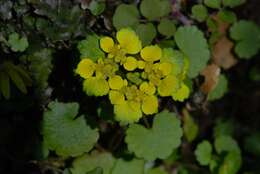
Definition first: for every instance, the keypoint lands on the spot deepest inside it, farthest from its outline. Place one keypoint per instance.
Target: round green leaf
(16, 43)
(199, 12)
(167, 27)
(192, 43)
(154, 9)
(135, 166)
(231, 164)
(226, 144)
(126, 16)
(220, 89)
(203, 153)
(213, 3)
(87, 163)
(96, 7)
(232, 3)
(146, 33)
(247, 35)
(227, 16)
(65, 134)
(157, 142)
(89, 48)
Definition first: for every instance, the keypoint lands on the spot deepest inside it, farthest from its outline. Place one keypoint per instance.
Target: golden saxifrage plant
(134, 77)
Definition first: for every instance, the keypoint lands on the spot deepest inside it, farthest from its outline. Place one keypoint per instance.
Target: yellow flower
(150, 104)
(131, 63)
(182, 93)
(141, 64)
(151, 53)
(107, 44)
(147, 88)
(165, 68)
(128, 111)
(129, 41)
(168, 85)
(116, 82)
(85, 68)
(96, 86)
(116, 97)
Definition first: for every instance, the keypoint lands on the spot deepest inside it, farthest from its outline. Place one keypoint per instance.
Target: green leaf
(15, 77)
(203, 153)
(96, 7)
(231, 164)
(252, 144)
(65, 134)
(89, 48)
(4, 84)
(224, 128)
(157, 142)
(190, 128)
(226, 144)
(167, 27)
(213, 3)
(87, 163)
(232, 3)
(192, 43)
(199, 12)
(126, 16)
(220, 90)
(135, 166)
(254, 74)
(247, 35)
(16, 43)
(157, 170)
(146, 33)
(96, 171)
(227, 16)
(154, 9)
(40, 66)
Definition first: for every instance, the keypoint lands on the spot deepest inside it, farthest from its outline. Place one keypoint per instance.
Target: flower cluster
(134, 77)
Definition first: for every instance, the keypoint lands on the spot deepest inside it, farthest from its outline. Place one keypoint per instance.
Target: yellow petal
(150, 104)
(129, 41)
(130, 64)
(165, 68)
(147, 88)
(106, 44)
(116, 97)
(141, 64)
(85, 68)
(182, 93)
(96, 86)
(128, 111)
(168, 85)
(116, 82)
(151, 53)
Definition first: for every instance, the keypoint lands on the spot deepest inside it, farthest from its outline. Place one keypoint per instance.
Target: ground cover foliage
(129, 86)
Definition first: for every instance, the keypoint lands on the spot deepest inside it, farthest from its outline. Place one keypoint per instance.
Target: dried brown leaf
(222, 53)
(211, 74)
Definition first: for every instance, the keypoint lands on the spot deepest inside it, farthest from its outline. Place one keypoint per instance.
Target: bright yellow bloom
(151, 53)
(96, 86)
(85, 68)
(168, 85)
(182, 93)
(128, 111)
(116, 97)
(147, 88)
(116, 82)
(150, 104)
(129, 41)
(141, 64)
(107, 44)
(130, 64)
(165, 68)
